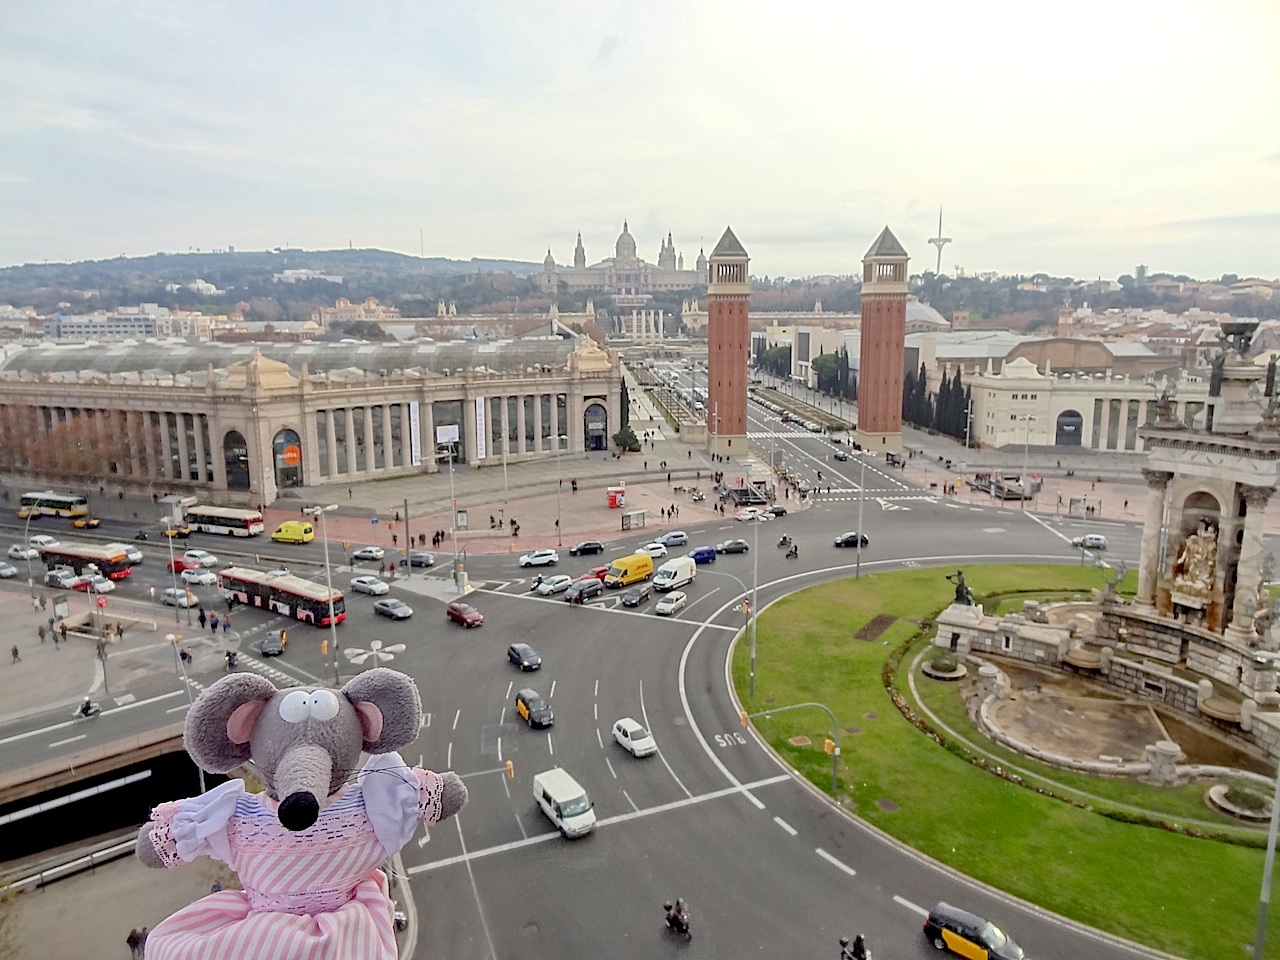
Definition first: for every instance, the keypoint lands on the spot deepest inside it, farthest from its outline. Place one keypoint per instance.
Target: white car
(1090, 541)
(177, 597)
(42, 540)
(747, 513)
(369, 585)
(130, 551)
(101, 584)
(634, 738)
(66, 579)
(8, 570)
(368, 553)
(557, 584)
(671, 604)
(202, 557)
(199, 575)
(656, 550)
(540, 558)
(19, 552)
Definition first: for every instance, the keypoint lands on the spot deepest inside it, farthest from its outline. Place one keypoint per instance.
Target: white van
(564, 802)
(675, 573)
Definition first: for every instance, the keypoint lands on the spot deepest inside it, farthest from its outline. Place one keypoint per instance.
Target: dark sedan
(636, 595)
(524, 656)
(420, 558)
(733, 546)
(582, 590)
(586, 547)
(851, 540)
(778, 510)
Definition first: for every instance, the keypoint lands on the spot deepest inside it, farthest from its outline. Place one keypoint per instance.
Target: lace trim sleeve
(430, 787)
(162, 839)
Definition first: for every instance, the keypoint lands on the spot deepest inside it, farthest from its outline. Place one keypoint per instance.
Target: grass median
(1191, 897)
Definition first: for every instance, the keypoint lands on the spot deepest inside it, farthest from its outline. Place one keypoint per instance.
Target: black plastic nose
(299, 811)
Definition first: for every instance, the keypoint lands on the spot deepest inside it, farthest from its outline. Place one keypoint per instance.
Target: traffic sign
(102, 603)
(373, 520)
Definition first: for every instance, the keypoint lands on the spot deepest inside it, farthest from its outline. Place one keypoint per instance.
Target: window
(1006, 643)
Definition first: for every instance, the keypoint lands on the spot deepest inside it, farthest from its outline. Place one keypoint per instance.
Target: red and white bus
(282, 593)
(111, 561)
(228, 521)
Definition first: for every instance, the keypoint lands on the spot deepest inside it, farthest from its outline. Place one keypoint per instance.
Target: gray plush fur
(309, 759)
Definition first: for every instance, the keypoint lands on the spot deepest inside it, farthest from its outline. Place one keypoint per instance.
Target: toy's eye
(295, 707)
(323, 704)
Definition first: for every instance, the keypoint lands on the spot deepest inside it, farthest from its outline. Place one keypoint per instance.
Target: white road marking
(785, 826)
(553, 690)
(179, 708)
(551, 749)
(510, 684)
(705, 596)
(610, 766)
(836, 863)
(915, 908)
(105, 713)
(630, 801)
(427, 720)
(596, 692)
(59, 743)
(448, 759)
(467, 856)
(645, 713)
(595, 711)
(599, 739)
(455, 718)
(499, 749)
(523, 833)
(475, 890)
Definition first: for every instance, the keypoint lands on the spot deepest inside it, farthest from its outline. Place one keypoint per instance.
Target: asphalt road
(766, 866)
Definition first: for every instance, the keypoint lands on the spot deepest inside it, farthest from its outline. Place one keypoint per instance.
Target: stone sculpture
(964, 596)
(1193, 576)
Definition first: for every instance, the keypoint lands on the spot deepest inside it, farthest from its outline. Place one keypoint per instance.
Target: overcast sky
(1075, 138)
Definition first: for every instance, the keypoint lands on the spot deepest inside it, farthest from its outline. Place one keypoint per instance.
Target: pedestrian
(40, 632)
(120, 631)
(62, 629)
(43, 601)
(202, 617)
(668, 476)
(395, 541)
(393, 571)
(382, 568)
(57, 638)
(1126, 506)
(213, 624)
(348, 493)
(646, 464)
(151, 592)
(35, 604)
(13, 652)
(226, 625)
(690, 454)
(134, 942)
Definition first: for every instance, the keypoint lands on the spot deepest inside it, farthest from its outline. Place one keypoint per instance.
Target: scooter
(83, 713)
(793, 553)
(784, 541)
(678, 922)
(537, 582)
(140, 535)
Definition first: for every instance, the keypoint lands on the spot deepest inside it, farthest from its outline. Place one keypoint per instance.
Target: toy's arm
(440, 795)
(182, 830)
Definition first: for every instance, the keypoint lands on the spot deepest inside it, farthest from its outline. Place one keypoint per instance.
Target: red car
(464, 613)
(595, 573)
(178, 564)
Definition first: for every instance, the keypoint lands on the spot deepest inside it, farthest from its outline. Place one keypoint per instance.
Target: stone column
(350, 434)
(166, 444)
(469, 427)
(1149, 563)
(218, 457)
(1249, 568)
(520, 425)
(388, 445)
(537, 423)
(310, 447)
(331, 443)
(202, 457)
(133, 431)
(506, 425)
(184, 457)
(369, 458)
(573, 410)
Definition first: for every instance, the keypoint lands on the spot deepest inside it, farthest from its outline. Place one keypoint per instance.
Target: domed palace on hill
(623, 274)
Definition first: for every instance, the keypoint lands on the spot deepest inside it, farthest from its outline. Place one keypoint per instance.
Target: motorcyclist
(230, 657)
(86, 708)
(860, 951)
(793, 553)
(784, 541)
(677, 917)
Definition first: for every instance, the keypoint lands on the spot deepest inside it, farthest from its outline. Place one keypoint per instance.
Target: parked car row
(786, 415)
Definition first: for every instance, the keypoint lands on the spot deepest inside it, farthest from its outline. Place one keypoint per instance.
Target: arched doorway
(235, 454)
(1070, 430)
(287, 453)
(595, 423)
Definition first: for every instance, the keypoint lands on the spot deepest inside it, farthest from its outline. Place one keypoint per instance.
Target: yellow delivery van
(628, 570)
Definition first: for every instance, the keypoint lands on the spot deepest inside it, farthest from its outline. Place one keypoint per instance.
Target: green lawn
(1191, 897)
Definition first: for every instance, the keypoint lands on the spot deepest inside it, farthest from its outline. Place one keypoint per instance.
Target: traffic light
(511, 770)
(744, 718)
(828, 746)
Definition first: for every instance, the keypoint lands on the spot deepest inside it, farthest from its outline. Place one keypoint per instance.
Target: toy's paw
(453, 794)
(145, 850)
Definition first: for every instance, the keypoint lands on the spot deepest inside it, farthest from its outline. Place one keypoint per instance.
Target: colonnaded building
(239, 423)
(625, 273)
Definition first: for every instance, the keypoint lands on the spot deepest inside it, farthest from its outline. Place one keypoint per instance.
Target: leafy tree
(626, 439)
(777, 361)
(82, 450)
(625, 401)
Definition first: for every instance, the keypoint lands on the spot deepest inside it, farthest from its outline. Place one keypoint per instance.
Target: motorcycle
(793, 553)
(698, 496)
(678, 922)
(858, 951)
(140, 535)
(537, 582)
(784, 541)
(86, 711)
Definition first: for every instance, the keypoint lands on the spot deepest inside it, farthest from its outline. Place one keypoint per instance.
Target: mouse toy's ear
(389, 707)
(221, 720)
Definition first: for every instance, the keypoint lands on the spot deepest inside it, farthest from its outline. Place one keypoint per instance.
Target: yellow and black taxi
(181, 532)
(533, 709)
(968, 935)
(86, 523)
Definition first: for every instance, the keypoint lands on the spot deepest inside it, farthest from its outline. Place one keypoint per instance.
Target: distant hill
(245, 268)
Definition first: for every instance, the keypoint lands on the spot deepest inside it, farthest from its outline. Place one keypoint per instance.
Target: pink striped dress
(313, 895)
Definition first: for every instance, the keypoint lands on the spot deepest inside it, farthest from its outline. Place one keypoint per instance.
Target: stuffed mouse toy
(308, 848)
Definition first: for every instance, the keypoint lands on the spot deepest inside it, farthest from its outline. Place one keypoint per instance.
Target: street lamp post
(26, 546)
(862, 498)
(1028, 419)
(560, 441)
(328, 581)
(1267, 661)
(171, 523)
(755, 597)
(175, 639)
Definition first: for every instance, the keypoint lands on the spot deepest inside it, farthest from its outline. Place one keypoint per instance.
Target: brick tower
(728, 343)
(882, 352)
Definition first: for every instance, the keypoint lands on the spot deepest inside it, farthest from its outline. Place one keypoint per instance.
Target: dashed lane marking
(836, 863)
